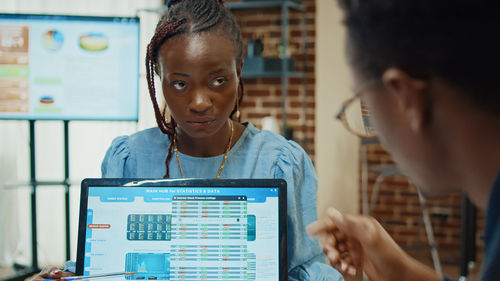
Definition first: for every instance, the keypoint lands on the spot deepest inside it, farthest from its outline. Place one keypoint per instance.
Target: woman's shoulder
(270, 142)
(144, 141)
(126, 151)
(281, 157)
(264, 136)
(148, 139)
(147, 134)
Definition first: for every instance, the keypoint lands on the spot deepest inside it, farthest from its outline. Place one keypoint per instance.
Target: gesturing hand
(51, 272)
(356, 241)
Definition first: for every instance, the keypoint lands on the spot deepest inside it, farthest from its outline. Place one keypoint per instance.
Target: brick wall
(399, 211)
(263, 95)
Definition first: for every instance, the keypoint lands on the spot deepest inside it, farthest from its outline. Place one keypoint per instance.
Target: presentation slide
(68, 67)
(165, 233)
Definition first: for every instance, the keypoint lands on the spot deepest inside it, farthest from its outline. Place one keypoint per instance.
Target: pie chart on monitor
(52, 39)
(94, 42)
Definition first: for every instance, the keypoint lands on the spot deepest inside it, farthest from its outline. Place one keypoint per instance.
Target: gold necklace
(223, 161)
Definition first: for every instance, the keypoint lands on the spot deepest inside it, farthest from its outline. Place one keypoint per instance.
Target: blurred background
(296, 93)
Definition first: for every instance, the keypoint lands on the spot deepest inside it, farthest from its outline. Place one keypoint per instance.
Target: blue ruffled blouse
(257, 154)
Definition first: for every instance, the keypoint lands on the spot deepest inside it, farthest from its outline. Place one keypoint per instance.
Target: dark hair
(457, 40)
(186, 17)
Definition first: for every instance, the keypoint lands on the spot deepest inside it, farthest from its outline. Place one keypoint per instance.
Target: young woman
(197, 52)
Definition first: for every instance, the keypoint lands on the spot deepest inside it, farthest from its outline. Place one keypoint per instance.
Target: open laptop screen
(182, 230)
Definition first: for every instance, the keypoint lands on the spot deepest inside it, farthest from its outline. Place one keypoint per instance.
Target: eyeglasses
(354, 114)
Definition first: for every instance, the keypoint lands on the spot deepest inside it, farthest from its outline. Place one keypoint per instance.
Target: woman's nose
(201, 102)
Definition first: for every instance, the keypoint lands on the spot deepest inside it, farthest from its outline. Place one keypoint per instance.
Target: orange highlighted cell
(99, 226)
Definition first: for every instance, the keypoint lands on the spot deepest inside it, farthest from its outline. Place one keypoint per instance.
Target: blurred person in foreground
(427, 72)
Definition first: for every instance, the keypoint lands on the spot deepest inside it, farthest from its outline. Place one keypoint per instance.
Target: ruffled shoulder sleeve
(293, 158)
(295, 167)
(119, 160)
(306, 259)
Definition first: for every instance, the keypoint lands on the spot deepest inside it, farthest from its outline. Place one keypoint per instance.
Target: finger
(351, 271)
(337, 266)
(346, 257)
(329, 240)
(342, 247)
(333, 257)
(319, 226)
(332, 254)
(347, 264)
(335, 216)
(343, 267)
(354, 226)
(56, 273)
(355, 252)
(67, 274)
(339, 235)
(51, 272)
(47, 270)
(315, 228)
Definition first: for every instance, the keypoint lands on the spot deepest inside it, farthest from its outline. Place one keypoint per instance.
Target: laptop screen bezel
(219, 183)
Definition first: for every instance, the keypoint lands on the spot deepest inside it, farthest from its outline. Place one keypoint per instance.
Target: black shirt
(491, 262)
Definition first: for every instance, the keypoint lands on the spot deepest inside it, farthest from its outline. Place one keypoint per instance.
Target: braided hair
(185, 17)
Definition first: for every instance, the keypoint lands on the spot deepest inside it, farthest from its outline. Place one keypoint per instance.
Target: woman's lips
(200, 123)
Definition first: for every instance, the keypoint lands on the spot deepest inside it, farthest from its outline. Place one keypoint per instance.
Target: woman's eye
(218, 81)
(178, 85)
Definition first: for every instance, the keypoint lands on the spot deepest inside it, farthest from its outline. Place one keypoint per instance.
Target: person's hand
(354, 242)
(51, 272)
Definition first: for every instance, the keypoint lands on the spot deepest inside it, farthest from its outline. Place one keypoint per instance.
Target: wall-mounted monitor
(57, 67)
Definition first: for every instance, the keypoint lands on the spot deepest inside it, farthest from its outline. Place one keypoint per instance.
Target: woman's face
(200, 79)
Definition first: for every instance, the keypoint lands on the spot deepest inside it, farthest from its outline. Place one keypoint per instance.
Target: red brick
(248, 104)
(272, 104)
(257, 93)
(257, 23)
(293, 93)
(299, 104)
(310, 80)
(269, 81)
(257, 115)
(298, 33)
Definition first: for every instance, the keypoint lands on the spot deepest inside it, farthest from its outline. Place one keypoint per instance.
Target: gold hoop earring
(237, 113)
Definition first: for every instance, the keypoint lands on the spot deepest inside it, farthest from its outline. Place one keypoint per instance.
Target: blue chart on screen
(148, 266)
(149, 227)
(188, 233)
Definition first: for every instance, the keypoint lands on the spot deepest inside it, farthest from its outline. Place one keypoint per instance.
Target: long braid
(171, 137)
(159, 37)
(151, 62)
(200, 16)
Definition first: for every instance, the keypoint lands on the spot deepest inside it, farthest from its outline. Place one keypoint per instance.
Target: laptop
(193, 229)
